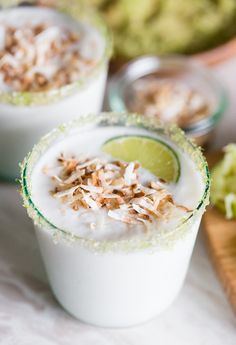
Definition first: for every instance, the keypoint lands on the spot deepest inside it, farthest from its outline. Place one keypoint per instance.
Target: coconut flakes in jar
(169, 101)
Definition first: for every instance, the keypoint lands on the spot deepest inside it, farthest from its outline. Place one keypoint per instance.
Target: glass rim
(117, 103)
(174, 133)
(79, 12)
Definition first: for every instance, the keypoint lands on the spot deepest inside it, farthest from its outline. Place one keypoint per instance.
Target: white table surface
(29, 314)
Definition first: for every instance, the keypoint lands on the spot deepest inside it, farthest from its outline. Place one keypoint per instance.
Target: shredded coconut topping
(96, 183)
(168, 101)
(41, 57)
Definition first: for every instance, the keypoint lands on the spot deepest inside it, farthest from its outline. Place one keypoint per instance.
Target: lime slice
(154, 155)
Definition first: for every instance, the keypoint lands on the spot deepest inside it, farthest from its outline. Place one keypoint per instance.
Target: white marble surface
(29, 314)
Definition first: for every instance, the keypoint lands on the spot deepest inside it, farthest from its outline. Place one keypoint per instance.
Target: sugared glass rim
(78, 11)
(148, 64)
(175, 134)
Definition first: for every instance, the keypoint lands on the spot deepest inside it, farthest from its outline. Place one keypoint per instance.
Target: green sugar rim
(116, 119)
(78, 11)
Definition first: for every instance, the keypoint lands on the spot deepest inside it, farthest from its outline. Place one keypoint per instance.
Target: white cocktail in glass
(114, 264)
(53, 67)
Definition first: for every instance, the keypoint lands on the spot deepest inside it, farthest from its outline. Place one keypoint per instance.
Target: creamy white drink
(53, 65)
(115, 238)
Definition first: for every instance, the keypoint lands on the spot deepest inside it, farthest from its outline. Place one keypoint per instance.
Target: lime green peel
(154, 155)
(223, 192)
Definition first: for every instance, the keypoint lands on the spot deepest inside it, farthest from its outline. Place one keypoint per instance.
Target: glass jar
(172, 70)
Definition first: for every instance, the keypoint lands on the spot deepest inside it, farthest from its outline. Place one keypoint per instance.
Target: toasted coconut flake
(147, 204)
(66, 192)
(94, 184)
(41, 57)
(86, 163)
(129, 175)
(92, 189)
(57, 179)
(112, 167)
(121, 215)
(184, 208)
(145, 190)
(74, 176)
(156, 185)
(90, 202)
(115, 188)
(111, 196)
(139, 209)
